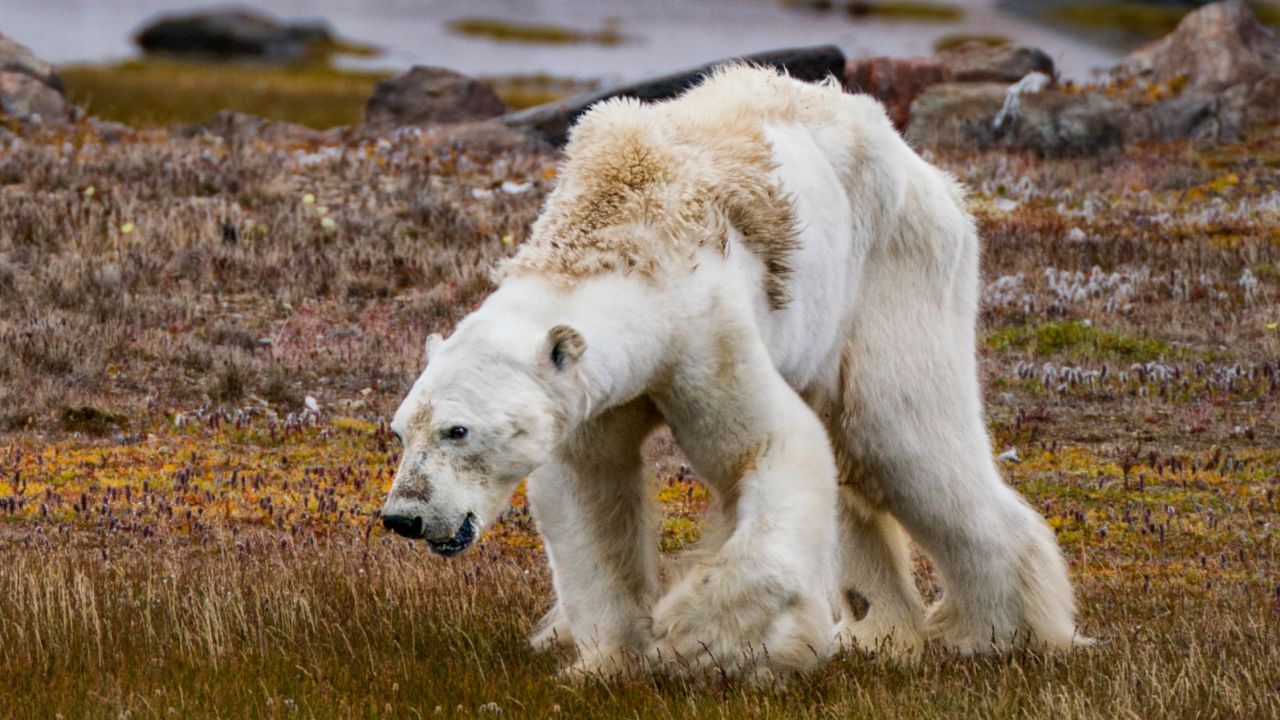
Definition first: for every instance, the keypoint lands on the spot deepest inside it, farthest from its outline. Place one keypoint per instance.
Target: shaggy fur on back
(643, 184)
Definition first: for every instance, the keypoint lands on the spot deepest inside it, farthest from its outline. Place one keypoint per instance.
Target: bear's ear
(434, 341)
(564, 346)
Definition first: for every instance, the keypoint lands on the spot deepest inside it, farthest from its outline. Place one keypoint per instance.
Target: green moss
(1078, 341)
(524, 91)
(1139, 19)
(951, 42)
(91, 420)
(515, 32)
(937, 12)
(161, 91)
(1266, 271)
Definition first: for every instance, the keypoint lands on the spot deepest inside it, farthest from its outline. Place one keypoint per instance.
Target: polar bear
(766, 267)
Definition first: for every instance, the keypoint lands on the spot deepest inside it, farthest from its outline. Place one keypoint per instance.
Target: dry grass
(182, 537)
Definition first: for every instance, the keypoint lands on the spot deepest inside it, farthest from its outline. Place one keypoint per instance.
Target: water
(669, 34)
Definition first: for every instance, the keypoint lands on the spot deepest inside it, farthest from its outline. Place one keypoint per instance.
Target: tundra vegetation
(161, 90)
(502, 30)
(202, 337)
(1129, 19)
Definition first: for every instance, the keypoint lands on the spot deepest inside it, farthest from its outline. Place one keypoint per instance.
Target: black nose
(410, 527)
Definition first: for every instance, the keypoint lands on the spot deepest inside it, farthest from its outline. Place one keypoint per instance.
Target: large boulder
(235, 127)
(430, 95)
(1049, 122)
(954, 116)
(1057, 123)
(1211, 79)
(551, 122)
(1218, 46)
(976, 61)
(896, 82)
(485, 138)
(228, 33)
(18, 59)
(30, 91)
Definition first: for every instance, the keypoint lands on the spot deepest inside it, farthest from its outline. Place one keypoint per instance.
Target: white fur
(873, 357)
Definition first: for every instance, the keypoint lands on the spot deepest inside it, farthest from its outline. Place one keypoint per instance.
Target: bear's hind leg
(875, 572)
(1004, 581)
(913, 419)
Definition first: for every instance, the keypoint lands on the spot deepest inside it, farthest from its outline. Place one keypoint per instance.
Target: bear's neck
(622, 320)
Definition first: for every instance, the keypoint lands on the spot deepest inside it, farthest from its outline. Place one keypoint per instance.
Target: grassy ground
(502, 30)
(183, 536)
(1143, 20)
(157, 91)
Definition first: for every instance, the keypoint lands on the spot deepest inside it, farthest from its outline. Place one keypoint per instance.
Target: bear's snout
(403, 525)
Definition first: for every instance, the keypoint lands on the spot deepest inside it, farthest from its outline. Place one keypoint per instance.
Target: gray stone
(978, 62)
(429, 95)
(1222, 68)
(961, 116)
(1217, 46)
(30, 91)
(25, 98)
(551, 122)
(954, 116)
(17, 58)
(240, 127)
(231, 33)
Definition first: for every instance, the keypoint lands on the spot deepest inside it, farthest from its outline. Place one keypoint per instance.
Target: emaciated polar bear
(765, 266)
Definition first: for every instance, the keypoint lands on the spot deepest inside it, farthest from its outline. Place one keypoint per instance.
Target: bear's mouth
(460, 541)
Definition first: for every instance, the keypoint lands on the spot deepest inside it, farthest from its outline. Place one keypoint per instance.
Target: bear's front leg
(594, 513)
(764, 601)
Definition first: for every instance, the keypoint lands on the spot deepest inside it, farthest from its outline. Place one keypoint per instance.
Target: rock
(954, 116)
(551, 122)
(1218, 46)
(429, 95)
(1055, 123)
(18, 59)
(1212, 79)
(962, 116)
(896, 82)
(29, 100)
(485, 137)
(230, 33)
(239, 127)
(976, 61)
(30, 90)
(1222, 69)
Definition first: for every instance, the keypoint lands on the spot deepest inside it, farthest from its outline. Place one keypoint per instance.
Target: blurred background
(316, 62)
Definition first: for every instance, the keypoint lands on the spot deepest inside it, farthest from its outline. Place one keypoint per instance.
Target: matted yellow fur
(642, 185)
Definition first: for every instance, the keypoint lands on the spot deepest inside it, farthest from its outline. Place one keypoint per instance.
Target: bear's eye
(457, 432)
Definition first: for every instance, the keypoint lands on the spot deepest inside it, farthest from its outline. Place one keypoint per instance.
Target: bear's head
(494, 401)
